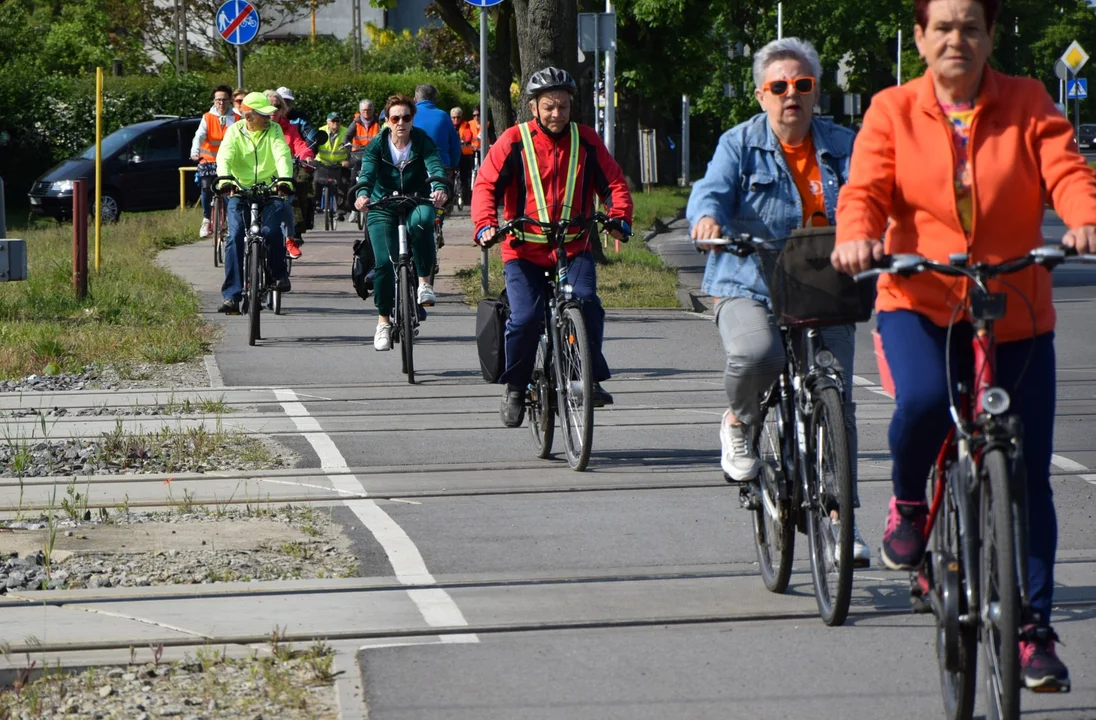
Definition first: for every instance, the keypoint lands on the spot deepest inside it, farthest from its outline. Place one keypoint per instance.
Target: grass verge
(660, 203)
(135, 311)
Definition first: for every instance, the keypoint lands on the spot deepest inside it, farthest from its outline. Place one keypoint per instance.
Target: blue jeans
(915, 354)
(271, 229)
(527, 288)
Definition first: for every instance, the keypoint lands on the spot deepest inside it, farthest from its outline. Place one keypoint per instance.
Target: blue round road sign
(238, 21)
(483, 3)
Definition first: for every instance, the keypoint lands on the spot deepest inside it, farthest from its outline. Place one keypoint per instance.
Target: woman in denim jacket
(776, 172)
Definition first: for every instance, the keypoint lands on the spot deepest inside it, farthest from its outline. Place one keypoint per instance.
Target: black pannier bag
(806, 289)
(361, 271)
(491, 317)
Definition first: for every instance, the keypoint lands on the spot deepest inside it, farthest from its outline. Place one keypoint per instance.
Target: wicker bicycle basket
(804, 287)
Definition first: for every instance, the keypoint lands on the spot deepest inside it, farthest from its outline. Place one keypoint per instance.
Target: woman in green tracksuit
(400, 159)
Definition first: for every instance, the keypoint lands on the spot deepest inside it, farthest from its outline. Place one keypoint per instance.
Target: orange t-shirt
(803, 162)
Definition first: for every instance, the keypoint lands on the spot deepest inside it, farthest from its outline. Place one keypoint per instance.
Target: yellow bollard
(182, 185)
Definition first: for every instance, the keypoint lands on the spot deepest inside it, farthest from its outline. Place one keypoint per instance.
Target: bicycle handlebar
(398, 198)
(558, 226)
(258, 190)
(740, 245)
(908, 264)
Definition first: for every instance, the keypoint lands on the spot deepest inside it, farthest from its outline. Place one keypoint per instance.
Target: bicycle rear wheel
(254, 289)
(407, 313)
(774, 526)
(218, 230)
(542, 418)
(1000, 597)
(575, 386)
(829, 478)
(956, 643)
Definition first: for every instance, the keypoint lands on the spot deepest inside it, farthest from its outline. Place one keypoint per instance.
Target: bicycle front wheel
(254, 289)
(407, 313)
(956, 642)
(1000, 611)
(774, 526)
(218, 230)
(829, 491)
(542, 418)
(574, 378)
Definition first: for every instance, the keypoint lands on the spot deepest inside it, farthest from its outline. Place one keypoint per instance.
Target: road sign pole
(483, 125)
(597, 73)
(610, 90)
(239, 66)
(1077, 109)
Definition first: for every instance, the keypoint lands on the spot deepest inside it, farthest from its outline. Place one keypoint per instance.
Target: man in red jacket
(505, 177)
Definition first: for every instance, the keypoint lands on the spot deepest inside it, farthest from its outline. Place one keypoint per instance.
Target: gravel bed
(163, 451)
(190, 374)
(289, 685)
(178, 408)
(323, 553)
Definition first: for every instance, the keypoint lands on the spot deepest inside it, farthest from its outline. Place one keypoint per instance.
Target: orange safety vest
(474, 126)
(466, 137)
(363, 135)
(215, 132)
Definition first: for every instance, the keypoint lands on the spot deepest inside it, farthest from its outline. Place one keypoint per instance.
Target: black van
(140, 171)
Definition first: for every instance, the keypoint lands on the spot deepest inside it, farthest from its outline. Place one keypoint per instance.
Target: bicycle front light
(255, 229)
(995, 401)
(568, 290)
(825, 359)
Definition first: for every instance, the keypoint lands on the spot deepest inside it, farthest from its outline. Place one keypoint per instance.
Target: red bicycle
(974, 578)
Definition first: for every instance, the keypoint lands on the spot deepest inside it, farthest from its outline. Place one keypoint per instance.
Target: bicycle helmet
(550, 78)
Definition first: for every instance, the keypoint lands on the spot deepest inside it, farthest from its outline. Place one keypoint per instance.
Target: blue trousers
(527, 289)
(915, 354)
(272, 215)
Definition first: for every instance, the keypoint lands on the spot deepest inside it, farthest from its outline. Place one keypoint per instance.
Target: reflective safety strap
(533, 171)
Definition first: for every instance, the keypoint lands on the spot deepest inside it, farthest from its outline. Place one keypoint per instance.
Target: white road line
(868, 385)
(1071, 466)
(437, 607)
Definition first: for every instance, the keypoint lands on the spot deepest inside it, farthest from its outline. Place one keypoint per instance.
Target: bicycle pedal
(1057, 688)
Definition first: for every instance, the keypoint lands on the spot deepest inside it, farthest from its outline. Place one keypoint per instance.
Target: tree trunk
(547, 35)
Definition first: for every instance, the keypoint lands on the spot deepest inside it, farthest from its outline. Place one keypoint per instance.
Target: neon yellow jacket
(254, 157)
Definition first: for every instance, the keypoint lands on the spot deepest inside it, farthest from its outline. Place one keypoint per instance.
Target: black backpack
(361, 271)
(491, 317)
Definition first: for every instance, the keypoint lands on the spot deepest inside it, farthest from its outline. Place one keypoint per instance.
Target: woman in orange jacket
(961, 160)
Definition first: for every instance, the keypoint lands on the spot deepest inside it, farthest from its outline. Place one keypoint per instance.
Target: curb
(685, 299)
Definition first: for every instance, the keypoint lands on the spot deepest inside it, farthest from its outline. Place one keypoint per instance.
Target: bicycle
(974, 578)
(326, 177)
(407, 313)
(563, 372)
(258, 280)
(806, 468)
(356, 166)
(220, 229)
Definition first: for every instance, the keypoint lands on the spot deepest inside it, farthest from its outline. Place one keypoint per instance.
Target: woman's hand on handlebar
(439, 197)
(856, 256)
(706, 228)
(361, 204)
(1081, 239)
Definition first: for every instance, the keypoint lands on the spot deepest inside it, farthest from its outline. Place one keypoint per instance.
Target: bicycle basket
(805, 288)
(329, 172)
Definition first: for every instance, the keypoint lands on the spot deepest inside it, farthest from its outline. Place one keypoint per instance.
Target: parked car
(140, 171)
(1086, 138)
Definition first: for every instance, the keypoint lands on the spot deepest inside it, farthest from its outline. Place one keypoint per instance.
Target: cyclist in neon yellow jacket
(333, 160)
(253, 151)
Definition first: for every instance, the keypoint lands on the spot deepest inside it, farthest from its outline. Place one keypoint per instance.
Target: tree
(547, 34)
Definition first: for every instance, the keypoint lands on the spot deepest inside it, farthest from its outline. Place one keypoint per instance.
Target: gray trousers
(755, 358)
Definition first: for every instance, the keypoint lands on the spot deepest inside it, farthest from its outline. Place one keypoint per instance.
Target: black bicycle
(407, 313)
(259, 287)
(975, 579)
(327, 178)
(563, 380)
(806, 467)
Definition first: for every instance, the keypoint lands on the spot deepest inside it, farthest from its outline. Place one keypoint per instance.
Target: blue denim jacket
(749, 189)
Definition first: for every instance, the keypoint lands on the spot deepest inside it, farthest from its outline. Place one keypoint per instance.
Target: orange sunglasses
(803, 85)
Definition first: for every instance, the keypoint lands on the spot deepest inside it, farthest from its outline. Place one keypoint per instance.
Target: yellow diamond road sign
(1075, 57)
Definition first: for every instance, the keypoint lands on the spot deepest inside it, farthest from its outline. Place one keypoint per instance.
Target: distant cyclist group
(941, 194)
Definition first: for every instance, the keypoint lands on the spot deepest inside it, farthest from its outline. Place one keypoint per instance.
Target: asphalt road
(629, 591)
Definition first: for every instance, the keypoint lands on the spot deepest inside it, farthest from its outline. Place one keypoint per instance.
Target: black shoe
(230, 307)
(341, 217)
(512, 411)
(601, 397)
(283, 285)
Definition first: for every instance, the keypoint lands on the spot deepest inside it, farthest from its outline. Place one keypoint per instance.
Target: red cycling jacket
(503, 180)
(297, 145)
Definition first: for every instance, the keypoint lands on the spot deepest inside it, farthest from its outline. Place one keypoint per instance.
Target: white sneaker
(427, 298)
(861, 553)
(382, 339)
(207, 229)
(738, 459)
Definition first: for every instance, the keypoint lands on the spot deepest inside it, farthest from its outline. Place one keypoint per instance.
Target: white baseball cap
(286, 93)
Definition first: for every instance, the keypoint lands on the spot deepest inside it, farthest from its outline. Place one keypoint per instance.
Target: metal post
(80, 238)
(98, 162)
(899, 56)
(779, 20)
(356, 6)
(3, 213)
(597, 69)
(183, 34)
(1076, 109)
(178, 42)
(483, 126)
(239, 66)
(685, 113)
(610, 90)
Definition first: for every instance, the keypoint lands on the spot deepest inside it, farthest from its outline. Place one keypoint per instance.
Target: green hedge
(51, 118)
